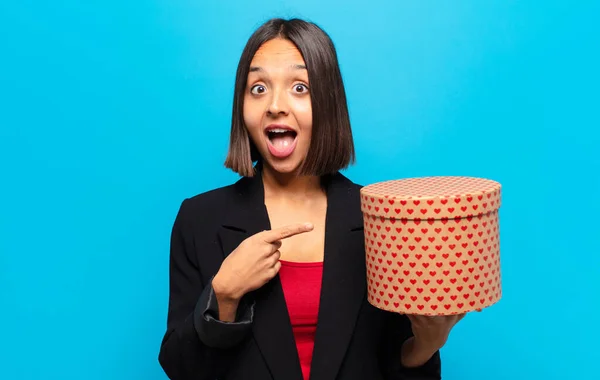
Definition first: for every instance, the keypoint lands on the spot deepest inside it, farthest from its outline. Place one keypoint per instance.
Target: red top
(301, 284)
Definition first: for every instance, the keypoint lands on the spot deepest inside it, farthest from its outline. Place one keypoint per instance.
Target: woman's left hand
(430, 334)
(433, 331)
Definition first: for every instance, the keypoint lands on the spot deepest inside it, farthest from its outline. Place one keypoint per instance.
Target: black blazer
(354, 340)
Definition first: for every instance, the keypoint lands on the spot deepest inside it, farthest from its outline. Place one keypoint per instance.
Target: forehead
(277, 52)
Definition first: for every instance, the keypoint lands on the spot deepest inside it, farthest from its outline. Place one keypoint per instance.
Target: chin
(287, 166)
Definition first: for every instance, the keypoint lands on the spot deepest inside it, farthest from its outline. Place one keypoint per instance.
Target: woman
(267, 275)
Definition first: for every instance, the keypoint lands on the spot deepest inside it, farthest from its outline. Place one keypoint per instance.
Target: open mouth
(282, 141)
(281, 137)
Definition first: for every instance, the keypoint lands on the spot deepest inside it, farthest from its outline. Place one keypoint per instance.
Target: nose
(278, 104)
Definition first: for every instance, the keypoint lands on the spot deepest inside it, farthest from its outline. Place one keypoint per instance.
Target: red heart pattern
(448, 258)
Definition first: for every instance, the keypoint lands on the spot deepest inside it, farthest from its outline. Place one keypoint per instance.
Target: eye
(258, 89)
(300, 88)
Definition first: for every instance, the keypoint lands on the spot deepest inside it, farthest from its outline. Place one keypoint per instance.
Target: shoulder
(208, 200)
(351, 188)
(344, 198)
(206, 207)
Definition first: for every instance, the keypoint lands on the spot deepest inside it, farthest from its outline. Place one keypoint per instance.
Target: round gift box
(432, 244)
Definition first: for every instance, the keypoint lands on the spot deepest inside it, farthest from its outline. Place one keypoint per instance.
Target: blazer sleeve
(397, 332)
(196, 345)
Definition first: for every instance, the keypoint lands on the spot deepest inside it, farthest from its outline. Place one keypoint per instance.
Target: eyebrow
(254, 69)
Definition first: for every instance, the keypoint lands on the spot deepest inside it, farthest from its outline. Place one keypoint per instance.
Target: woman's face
(277, 105)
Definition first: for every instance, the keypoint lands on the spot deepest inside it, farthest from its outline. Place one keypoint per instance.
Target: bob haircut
(331, 147)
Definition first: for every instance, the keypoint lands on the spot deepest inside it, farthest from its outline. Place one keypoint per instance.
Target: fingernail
(308, 225)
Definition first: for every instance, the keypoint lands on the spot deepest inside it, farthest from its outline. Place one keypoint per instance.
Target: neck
(290, 185)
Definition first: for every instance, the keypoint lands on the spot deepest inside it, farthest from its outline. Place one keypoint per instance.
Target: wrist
(415, 353)
(425, 347)
(224, 292)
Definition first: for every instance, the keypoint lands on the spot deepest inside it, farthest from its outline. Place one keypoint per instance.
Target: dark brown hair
(331, 147)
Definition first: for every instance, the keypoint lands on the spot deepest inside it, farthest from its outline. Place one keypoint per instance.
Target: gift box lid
(435, 197)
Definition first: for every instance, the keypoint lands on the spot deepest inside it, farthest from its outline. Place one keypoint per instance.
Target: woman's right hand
(251, 265)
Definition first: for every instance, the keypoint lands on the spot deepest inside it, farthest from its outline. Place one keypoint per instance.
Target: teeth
(279, 130)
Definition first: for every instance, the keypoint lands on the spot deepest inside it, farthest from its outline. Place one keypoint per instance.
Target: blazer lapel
(344, 278)
(272, 329)
(343, 284)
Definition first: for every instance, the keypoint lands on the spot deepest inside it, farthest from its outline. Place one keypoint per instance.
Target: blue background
(111, 112)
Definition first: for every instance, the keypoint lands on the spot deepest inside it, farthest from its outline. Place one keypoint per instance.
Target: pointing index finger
(287, 231)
